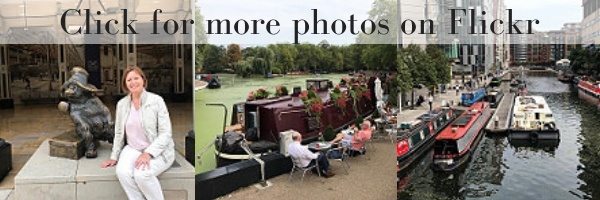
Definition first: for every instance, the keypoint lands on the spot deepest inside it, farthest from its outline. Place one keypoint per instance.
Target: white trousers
(140, 184)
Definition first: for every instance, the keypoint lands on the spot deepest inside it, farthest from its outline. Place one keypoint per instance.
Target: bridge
(534, 72)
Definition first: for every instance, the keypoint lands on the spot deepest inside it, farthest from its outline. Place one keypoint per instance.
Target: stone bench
(46, 177)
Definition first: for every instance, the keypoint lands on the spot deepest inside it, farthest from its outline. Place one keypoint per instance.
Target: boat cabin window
(548, 115)
(537, 116)
(311, 86)
(416, 138)
(468, 96)
(317, 84)
(445, 147)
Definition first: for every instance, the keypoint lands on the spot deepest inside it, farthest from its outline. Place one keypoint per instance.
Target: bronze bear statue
(92, 119)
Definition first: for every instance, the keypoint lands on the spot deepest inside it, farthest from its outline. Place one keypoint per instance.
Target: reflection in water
(500, 169)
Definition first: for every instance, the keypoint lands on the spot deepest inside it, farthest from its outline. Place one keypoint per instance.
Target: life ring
(550, 126)
(402, 147)
(431, 131)
(534, 136)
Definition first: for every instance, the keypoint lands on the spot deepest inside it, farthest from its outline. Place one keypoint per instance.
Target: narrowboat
(416, 137)
(494, 96)
(564, 77)
(532, 119)
(495, 82)
(514, 83)
(576, 80)
(589, 91)
(469, 98)
(261, 121)
(456, 143)
(213, 81)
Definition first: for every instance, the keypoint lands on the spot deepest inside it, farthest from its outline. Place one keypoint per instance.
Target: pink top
(136, 138)
(359, 140)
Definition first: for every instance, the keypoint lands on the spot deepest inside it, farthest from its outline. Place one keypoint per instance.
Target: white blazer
(155, 122)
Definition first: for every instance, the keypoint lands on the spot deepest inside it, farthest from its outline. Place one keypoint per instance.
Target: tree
(284, 55)
(213, 58)
(233, 55)
(201, 39)
(307, 57)
(578, 58)
(352, 57)
(440, 64)
(243, 68)
(404, 81)
(379, 57)
(381, 10)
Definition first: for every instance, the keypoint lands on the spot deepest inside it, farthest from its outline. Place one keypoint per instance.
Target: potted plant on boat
(314, 104)
(356, 92)
(281, 91)
(261, 93)
(339, 98)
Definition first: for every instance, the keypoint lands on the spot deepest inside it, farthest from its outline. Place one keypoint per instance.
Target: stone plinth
(67, 145)
(46, 177)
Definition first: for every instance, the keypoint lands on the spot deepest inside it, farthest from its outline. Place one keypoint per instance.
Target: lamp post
(412, 100)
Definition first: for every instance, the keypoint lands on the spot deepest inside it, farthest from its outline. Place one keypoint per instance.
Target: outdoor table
(323, 146)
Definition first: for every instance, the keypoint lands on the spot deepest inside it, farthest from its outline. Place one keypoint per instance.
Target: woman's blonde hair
(126, 72)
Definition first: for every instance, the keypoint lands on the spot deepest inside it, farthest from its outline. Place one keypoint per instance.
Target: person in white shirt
(308, 158)
(430, 99)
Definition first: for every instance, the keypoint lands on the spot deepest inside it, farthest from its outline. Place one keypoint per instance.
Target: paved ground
(26, 127)
(366, 179)
(502, 111)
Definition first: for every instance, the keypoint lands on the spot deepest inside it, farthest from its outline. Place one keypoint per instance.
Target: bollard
(496, 121)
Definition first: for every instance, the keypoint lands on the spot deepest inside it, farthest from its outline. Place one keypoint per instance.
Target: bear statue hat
(80, 77)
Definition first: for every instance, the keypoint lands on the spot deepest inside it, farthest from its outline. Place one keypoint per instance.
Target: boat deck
(502, 113)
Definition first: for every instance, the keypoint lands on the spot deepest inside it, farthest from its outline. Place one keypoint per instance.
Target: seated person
(308, 158)
(386, 115)
(420, 100)
(356, 141)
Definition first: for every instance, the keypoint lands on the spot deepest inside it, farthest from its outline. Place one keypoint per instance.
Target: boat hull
(418, 150)
(589, 97)
(534, 134)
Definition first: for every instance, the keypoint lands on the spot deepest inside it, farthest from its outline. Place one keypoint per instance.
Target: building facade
(572, 36)
(557, 45)
(590, 26)
(475, 53)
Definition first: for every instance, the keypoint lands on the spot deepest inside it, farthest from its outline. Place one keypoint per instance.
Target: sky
(284, 12)
(551, 13)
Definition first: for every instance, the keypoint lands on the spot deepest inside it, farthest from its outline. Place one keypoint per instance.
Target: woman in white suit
(143, 147)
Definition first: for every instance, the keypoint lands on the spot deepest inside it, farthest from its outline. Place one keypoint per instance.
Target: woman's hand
(108, 163)
(143, 162)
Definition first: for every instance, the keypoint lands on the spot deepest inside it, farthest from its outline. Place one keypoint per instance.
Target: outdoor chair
(297, 165)
(361, 152)
(343, 156)
(384, 129)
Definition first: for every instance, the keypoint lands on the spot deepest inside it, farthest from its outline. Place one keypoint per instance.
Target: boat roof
(531, 104)
(428, 116)
(460, 125)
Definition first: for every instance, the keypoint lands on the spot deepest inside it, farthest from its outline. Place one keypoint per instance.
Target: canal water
(502, 169)
(208, 120)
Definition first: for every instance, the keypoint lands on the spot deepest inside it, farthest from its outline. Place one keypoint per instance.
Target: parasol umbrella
(378, 90)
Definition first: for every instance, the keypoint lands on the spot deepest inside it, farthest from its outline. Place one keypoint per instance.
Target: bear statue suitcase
(5, 158)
